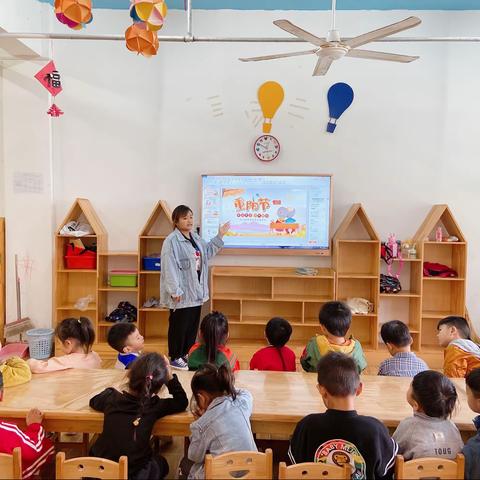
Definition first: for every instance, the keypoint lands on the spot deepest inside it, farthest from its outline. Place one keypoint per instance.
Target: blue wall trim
(306, 4)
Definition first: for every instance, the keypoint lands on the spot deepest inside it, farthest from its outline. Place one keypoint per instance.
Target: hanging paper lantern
(74, 13)
(141, 40)
(152, 12)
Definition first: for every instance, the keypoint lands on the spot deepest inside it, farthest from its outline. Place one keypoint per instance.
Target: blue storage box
(151, 263)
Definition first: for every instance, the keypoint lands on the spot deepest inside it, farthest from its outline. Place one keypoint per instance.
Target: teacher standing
(184, 281)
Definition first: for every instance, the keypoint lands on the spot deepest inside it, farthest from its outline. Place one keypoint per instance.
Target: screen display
(276, 211)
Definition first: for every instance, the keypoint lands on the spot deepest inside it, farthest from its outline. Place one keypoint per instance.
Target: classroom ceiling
(305, 4)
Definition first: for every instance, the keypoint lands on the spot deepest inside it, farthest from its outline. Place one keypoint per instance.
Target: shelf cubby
(311, 311)
(261, 312)
(364, 329)
(243, 287)
(231, 308)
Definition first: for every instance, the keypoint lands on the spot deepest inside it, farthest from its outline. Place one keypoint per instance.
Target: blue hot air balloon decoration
(340, 97)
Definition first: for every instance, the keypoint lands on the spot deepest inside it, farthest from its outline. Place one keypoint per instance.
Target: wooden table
(280, 400)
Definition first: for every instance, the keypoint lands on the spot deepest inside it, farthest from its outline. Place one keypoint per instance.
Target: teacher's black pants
(182, 330)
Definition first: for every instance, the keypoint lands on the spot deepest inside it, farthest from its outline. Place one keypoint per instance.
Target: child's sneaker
(179, 364)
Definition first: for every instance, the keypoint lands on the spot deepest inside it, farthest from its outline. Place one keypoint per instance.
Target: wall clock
(266, 148)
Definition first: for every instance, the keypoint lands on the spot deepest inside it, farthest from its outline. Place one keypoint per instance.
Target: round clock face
(266, 148)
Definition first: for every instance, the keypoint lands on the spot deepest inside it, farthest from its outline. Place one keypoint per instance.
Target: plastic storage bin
(123, 278)
(81, 262)
(40, 342)
(151, 263)
(79, 258)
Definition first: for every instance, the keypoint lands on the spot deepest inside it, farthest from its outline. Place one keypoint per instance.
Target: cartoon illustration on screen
(285, 223)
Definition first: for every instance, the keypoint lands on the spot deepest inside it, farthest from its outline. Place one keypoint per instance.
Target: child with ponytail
(222, 416)
(211, 348)
(277, 357)
(131, 414)
(77, 336)
(430, 432)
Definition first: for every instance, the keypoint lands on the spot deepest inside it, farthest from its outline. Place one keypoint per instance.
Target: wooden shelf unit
(109, 297)
(250, 296)
(71, 284)
(356, 250)
(406, 304)
(152, 322)
(441, 297)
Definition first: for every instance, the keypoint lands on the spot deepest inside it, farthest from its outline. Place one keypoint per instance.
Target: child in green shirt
(335, 319)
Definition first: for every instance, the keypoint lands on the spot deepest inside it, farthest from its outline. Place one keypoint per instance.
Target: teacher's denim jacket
(179, 275)
(224, 427)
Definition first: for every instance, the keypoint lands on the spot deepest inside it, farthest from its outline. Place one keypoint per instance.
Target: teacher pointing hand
(184, 281)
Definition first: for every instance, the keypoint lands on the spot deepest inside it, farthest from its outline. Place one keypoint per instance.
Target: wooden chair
(239, 465)
(77, 468)
(430, 467)
(313, 470)
(11, 465)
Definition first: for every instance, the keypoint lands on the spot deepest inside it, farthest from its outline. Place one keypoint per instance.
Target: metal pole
(189, 21)
(64, 36)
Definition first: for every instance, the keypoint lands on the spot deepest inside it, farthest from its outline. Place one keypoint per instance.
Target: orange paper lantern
(74, 13)
(141, 40)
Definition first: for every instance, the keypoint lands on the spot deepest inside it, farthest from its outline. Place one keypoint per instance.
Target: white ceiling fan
(333, 48)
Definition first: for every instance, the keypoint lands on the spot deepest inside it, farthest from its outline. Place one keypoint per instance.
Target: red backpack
(438, 270)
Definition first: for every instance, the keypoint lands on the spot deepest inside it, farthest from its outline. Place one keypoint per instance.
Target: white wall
(136, 130)
(25, 147)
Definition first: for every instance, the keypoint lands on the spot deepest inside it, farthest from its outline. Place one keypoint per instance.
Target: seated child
(276, 357)
(37, 450)
(127, 341)
(77, 336)
(222, 416)
(130, 416)
(211, 348)
(461, 355)
(429, 433)
(335, 319)
(403, 363)
(471, 450)
(340, 435)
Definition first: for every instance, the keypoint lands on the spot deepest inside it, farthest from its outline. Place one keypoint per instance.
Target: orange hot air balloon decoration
(74, 13)
(141, 40)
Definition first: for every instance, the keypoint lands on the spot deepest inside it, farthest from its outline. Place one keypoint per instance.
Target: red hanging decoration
(49, 77)
(54, 111)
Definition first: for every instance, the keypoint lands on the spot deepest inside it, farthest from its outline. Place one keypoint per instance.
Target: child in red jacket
(276, 357)
(36, 449)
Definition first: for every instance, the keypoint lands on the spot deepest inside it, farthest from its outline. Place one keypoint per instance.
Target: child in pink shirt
(77, 336)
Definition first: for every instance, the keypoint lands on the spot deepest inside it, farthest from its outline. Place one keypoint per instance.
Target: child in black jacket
(130, 416)
(341, 436)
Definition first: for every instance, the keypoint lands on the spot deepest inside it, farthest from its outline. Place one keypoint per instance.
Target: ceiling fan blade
(322, 66)
(389, 57)
(299, 32)
(409, 22)
(278, 55)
